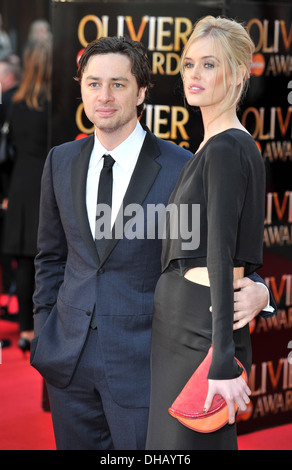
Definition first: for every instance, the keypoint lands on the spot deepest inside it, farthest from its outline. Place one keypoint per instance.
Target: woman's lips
(195, 88)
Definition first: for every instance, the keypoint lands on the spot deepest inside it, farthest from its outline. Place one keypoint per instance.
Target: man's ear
(141, 95)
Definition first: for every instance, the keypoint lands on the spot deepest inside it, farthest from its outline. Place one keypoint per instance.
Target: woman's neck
(224, 121)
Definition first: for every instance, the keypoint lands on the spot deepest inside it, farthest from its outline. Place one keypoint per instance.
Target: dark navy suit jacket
(71, 281)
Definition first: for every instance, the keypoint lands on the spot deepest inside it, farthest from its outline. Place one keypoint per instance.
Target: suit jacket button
(101, 271)
(88, 313)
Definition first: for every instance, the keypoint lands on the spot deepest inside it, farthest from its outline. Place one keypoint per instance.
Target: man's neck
(112, 139)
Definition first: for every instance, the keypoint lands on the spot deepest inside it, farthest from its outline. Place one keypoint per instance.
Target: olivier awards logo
(271, 36)
(278, 221)
(271, 381)
(271, 125)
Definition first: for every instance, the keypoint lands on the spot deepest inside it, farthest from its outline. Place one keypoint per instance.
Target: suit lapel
(144, 176)
(79, 169)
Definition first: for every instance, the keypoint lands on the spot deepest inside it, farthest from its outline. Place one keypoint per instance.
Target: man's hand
(4, 204)
(249, 301)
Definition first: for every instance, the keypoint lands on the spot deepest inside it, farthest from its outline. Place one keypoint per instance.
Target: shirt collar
(126, 154)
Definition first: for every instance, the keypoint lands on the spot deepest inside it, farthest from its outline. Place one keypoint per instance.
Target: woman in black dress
(226, 177)
(29, 129)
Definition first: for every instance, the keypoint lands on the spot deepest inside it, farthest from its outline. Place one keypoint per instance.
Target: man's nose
(105, 93)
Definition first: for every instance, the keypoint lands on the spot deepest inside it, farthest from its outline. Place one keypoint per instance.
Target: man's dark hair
(136, 52)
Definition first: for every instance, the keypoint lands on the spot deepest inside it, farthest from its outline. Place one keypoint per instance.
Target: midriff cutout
(201, 275)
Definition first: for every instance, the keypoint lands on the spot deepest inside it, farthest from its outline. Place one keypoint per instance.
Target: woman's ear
(240, 74)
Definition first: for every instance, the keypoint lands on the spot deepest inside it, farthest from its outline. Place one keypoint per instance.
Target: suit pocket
(56, 350)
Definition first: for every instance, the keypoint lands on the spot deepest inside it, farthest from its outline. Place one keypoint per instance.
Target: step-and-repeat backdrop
(266, 112)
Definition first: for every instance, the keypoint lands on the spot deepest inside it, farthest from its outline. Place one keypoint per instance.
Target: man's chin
(107, 126)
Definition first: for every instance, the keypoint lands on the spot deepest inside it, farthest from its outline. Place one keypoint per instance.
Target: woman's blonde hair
(236, 48)
(36, 79)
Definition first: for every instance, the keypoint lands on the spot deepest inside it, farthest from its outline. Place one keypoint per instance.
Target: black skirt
(181, 337)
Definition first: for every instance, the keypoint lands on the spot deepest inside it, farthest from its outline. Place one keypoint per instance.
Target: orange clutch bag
(188, 406)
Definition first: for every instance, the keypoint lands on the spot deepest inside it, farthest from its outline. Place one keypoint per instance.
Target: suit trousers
(85, 417)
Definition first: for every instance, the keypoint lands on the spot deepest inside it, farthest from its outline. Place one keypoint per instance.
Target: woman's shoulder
(231, 154)
(232, 144)
(232, 137)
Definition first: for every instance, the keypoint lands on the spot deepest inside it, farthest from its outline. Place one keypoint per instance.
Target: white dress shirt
(125, 156)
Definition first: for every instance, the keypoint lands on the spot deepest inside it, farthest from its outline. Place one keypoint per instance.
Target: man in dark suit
(93, 306)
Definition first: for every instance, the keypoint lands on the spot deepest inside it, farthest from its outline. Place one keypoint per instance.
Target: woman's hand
(232, 390)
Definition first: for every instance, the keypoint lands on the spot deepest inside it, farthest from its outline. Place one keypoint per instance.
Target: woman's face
(206, 80)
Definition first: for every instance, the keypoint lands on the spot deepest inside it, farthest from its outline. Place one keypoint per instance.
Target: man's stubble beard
(115, 126)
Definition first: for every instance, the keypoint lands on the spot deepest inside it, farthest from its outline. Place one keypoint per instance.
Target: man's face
(110, 96)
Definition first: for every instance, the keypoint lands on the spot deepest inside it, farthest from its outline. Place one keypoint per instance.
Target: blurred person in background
(5, 43)
(40, 30)
(10, 77)
(29, 130)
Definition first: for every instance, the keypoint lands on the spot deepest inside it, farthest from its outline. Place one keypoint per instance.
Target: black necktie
(103, 213)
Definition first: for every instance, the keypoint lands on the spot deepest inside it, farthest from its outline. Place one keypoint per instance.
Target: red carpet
(23, 423)
(25, 426)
